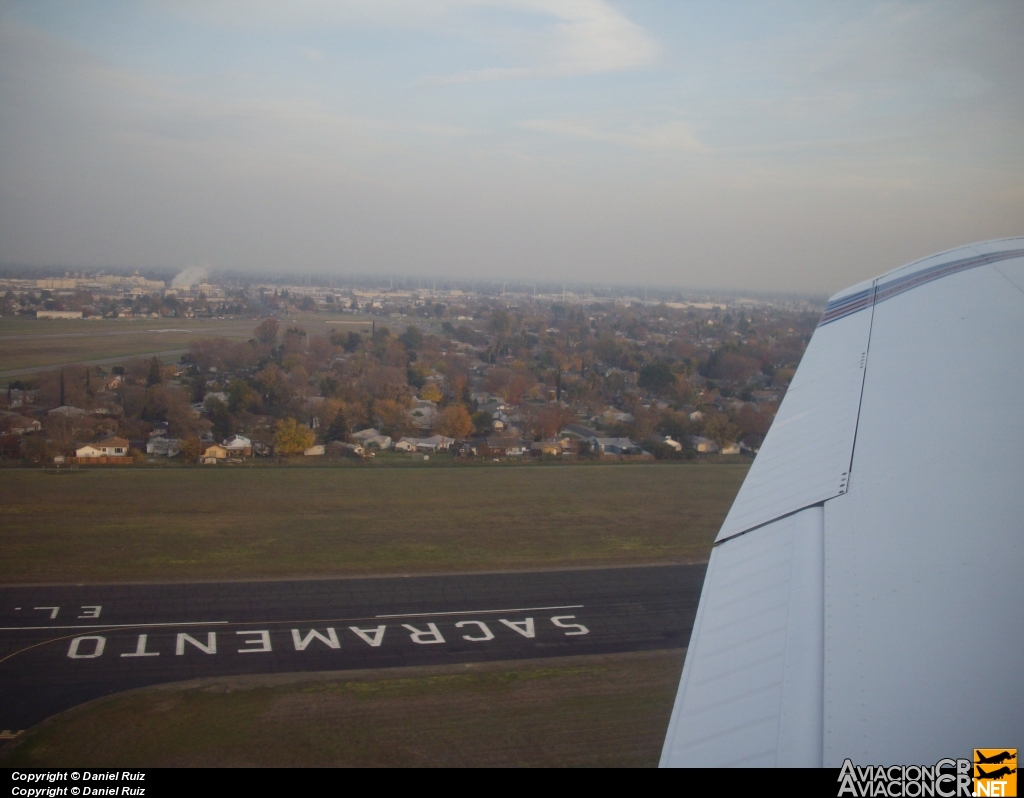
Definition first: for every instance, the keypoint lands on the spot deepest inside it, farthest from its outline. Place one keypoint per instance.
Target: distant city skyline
(749, 146)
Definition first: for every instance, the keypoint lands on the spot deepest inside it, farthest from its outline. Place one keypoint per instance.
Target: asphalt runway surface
(63, 645)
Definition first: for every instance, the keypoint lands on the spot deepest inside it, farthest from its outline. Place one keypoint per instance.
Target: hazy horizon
(757, 147)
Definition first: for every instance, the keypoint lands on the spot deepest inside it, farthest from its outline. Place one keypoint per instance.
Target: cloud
(675, 135)
(576, 37)
(546, 38)
(594, 37)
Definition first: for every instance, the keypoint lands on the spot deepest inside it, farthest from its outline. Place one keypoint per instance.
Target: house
(704, 445)
(111, 451)
(615, 416)
(168, 447)
(67, 411)
(580, 431)
(110, 447)
(315, 451)
(551, 448)
(435, 443)
(464, 449)
(349, 449)
(668, 441)
(423, 414)
(510, 422)
(503, 447)
(696, 415)
(238, 445)
(113, 381)
(615, 446)
(732, 448)
(217, 452)
(17, 424)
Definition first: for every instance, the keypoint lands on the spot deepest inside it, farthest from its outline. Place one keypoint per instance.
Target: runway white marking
(481, 612)
(110, 626)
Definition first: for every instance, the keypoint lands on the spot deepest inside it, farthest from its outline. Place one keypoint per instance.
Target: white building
(111, 447)
(435, 443)
(704, 445)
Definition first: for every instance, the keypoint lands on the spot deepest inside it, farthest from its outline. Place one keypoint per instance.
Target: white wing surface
(864, 597)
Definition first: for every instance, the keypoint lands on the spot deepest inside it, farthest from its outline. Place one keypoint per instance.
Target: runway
(63, 645)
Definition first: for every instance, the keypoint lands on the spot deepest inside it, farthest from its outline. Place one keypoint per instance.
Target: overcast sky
(770, 146)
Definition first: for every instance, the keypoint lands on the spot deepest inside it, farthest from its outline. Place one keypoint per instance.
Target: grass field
(186, 524)
(607, 710)
(36, 343)
(50, 342)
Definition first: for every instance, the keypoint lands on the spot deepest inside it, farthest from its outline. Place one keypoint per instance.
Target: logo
(947, 778)
(995, 772)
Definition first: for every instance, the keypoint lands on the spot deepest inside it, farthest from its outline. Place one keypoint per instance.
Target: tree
(191, 449)
(198, 388)
(431, 392)
(294, 340)
(318, 353)
(292, 437)
(511, 384)
(155, 376)
(720, 430)
(180, 417)
(35, 449)
(501, 323)
(412, 338)
(482, 421)
(454, 421)
(338, 430)
(223, 424)
(676, 425)
(241, 396)
(549, 420)
(266, 332)
(656, 377)
(392, 417)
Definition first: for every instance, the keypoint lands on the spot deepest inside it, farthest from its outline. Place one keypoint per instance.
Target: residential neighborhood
(407, 374)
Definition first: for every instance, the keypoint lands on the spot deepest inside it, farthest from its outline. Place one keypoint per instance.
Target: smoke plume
(189, 276)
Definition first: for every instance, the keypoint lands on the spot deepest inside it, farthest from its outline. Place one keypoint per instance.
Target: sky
(791, 147)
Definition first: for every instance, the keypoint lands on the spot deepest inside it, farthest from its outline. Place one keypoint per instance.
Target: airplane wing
(864, 596)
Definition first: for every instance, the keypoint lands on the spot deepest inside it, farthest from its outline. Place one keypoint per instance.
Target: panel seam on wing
(820, 503)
